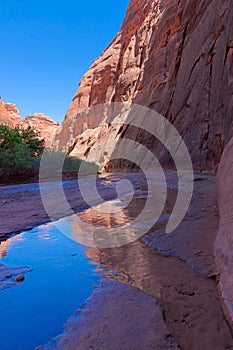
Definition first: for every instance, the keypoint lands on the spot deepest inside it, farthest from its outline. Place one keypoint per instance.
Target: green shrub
(19, 149)
(31, 139)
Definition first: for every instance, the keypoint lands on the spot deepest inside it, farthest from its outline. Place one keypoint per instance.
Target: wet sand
(193, 241)
(163, 287)
(117, 316)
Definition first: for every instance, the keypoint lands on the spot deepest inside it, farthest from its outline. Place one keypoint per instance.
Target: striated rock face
(175, 57)
(224, 242)
(44, 125)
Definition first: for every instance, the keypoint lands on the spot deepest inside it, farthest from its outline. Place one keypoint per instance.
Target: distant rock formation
(5, 117)
(13, 114)
(42, 124)
(175, 57)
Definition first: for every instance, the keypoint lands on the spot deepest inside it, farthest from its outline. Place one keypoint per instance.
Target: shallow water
(62, 279)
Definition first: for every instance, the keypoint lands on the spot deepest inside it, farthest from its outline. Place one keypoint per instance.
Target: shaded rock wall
(173, 56)
(224, 241)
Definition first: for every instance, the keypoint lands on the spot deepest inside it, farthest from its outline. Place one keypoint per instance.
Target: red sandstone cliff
(42, 124)
(224, 241)
(173, 56)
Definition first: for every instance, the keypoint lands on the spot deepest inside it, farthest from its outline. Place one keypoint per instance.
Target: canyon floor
(157, 293)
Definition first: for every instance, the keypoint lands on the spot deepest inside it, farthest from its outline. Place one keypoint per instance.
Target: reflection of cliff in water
(95, 226)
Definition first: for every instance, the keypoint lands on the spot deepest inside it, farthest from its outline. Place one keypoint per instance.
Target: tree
(19, 148)
(9, 137)
(31, 138)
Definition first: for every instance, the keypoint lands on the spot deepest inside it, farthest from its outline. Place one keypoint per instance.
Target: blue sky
(47, 46)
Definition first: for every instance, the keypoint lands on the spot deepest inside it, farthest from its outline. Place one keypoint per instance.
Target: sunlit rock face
(113, 77)
(175, 57)
(42, 124)
(9, 114)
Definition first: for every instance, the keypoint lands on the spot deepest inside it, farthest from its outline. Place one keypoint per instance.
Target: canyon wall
(224, 241)
(175, 57)
(42, 124)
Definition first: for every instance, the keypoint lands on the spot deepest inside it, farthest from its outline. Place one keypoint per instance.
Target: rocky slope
(175, 57)
(44, 125)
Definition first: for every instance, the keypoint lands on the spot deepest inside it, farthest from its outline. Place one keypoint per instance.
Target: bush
(19, 148)
(31, 139)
